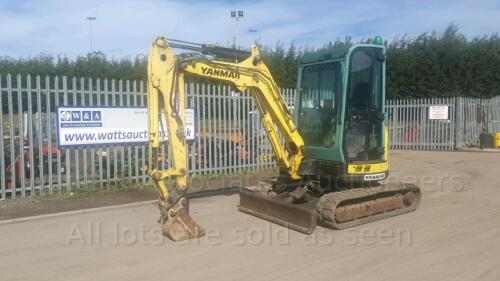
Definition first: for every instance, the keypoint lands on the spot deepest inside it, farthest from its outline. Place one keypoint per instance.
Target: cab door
(317, 108)
(364, 114)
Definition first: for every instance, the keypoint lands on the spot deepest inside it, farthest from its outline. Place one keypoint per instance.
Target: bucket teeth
(178, 225)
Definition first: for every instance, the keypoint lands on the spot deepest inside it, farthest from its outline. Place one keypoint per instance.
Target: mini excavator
(334, 157)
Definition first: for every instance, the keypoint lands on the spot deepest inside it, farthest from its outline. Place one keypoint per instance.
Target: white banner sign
(438, 112)
(83, 126)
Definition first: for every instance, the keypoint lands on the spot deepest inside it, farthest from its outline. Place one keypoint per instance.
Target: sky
(125, 28)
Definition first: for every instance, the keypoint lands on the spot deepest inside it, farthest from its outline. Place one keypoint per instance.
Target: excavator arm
(166, 104)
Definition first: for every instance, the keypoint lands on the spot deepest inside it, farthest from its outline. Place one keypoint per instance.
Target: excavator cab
(339, 111)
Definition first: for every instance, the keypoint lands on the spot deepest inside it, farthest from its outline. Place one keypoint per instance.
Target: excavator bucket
(299, 217)
(179, 225)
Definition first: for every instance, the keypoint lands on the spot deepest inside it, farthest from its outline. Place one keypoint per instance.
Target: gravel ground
(454, 235)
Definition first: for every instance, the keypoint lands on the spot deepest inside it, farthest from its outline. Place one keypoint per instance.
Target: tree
(427, 65)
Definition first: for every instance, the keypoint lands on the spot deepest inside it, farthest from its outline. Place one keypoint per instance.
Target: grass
(236, 173)
(91, 192)
(96, 191)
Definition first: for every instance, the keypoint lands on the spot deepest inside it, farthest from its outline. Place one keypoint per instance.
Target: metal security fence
(411, 128)
(33, 164)
(474, 117)
(230, 137)
(495, 114)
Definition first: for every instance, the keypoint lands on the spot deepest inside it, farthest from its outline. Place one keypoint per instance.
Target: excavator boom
(166, 98)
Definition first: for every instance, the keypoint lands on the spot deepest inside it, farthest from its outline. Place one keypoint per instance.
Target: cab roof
(324, 54)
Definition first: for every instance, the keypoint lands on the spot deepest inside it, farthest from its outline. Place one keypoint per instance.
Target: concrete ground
(454, 235)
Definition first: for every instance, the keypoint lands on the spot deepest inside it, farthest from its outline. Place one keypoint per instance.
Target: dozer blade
(179, 225)
(302, 218)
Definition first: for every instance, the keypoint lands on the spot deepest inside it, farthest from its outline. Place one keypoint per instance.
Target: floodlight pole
(90, 19)
(237, 29)
(258, 39)
(236, 15)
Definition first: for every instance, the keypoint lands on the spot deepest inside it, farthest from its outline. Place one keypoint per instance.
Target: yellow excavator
(334, 157)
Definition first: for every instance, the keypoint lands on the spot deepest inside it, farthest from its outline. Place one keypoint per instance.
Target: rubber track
(328, 203)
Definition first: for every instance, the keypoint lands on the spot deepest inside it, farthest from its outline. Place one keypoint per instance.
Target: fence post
(58, 151)
(2, 147)
(108, 152)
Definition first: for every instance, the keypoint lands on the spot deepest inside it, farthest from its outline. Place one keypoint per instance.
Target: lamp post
(236, 15)
(255, 31)
(91, 19)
